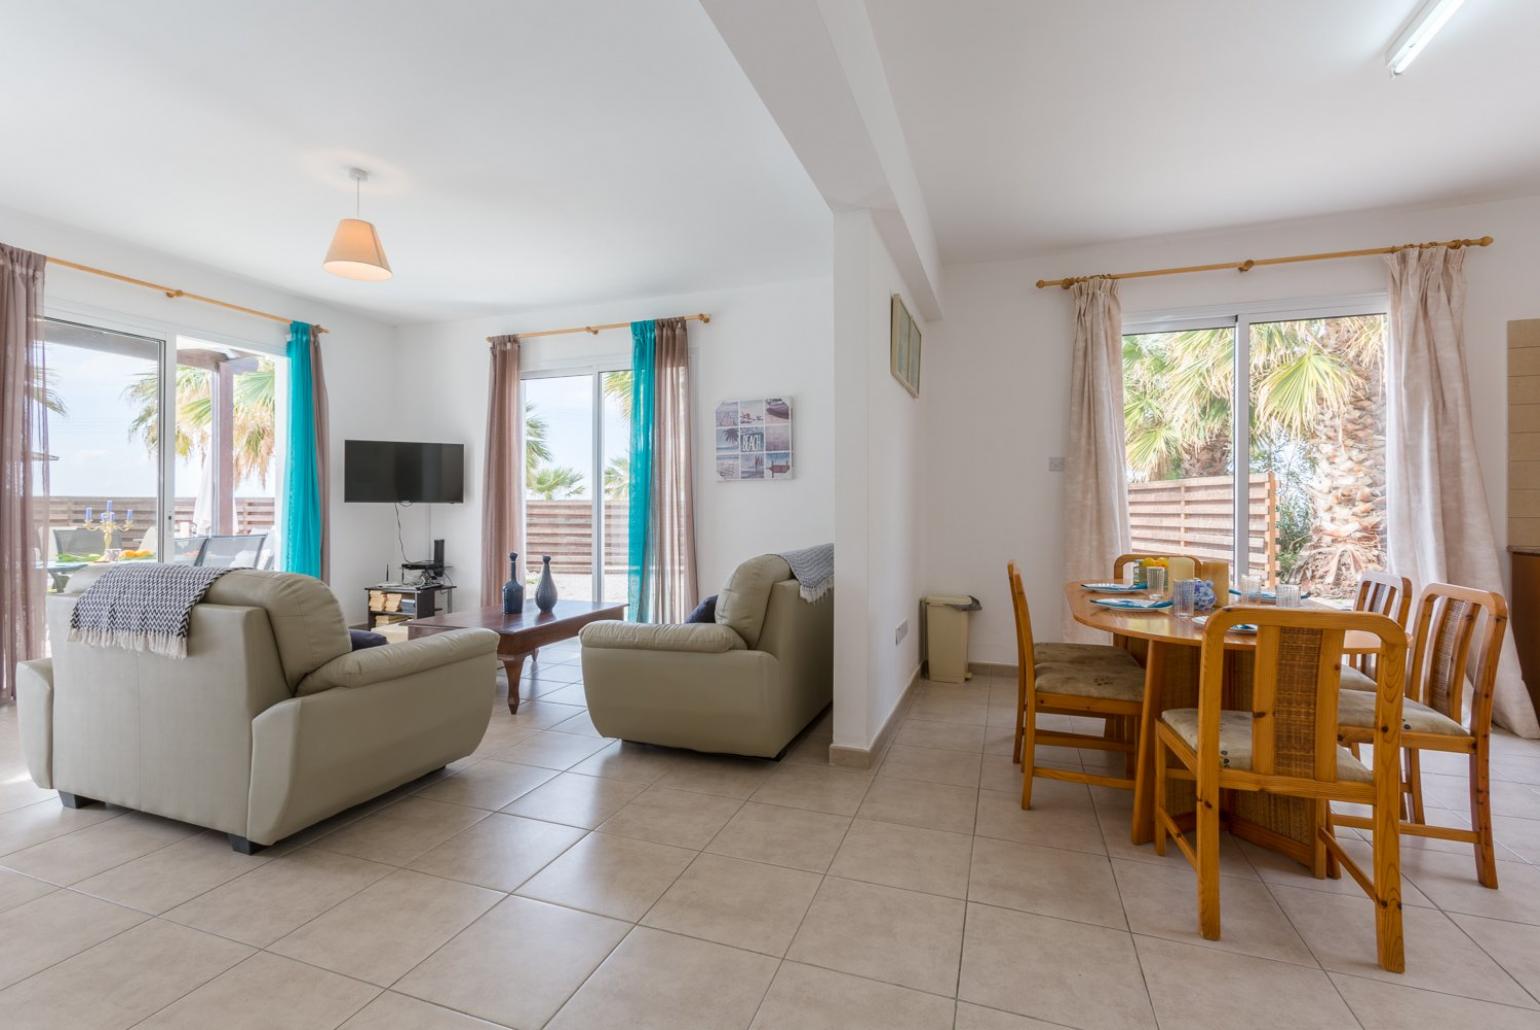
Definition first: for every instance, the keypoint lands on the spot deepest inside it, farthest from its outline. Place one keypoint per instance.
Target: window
(1308, 413)
(577, 446)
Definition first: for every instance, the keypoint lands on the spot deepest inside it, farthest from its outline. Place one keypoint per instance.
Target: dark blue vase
(513, 590)
(545, 592)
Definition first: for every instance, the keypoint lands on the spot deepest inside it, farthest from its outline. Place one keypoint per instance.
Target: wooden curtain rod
(1250, 263)
(594, 330)
(172, 291)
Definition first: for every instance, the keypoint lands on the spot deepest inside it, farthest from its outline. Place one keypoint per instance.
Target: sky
(566, 404)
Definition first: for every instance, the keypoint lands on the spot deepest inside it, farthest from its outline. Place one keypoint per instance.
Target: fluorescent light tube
(1419, 32)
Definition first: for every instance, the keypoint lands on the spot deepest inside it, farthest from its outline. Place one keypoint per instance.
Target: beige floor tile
(535, 715)
(266, 991)
(490, 784)
(730, 901)
(580, 724)
(1278, 869)
(1115, 835)
(120, 981)
(883, 933)
(1202, 988)
(953, 710)
(721, 775)
(550, 750)
(84, 853)
(1048, 881)
(19, 791)
(164, 879)
(613, 876)
(500, 852)
(576, 800)
(280, 897)
(936, 806)
(1388, 1006)
(1163, 902)
(52, 928)
(1450, 880)
(998, 772)
(678, 817)
(1069, 973)
(1519, 836)
(809, 998)
(810, 749)
(623, 760)
(977, 1017)
(792, 837)
(391, 1011)
(944, 735)
(502, 734)
(1061, 813)
(32, 824)
(931, 765)
(820, 788)
(517, 964)
(389, 927)
(912, 857)
(660, 981)
(403, 831)
(17, 889)
(1340, 932)
(565, 694)
(1515, 946)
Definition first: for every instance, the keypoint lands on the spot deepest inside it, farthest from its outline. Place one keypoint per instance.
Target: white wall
(878, 543)
(997, 371)
(357, 354)
(764, 341)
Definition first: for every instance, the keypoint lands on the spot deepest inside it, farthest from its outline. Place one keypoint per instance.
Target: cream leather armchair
(746, 685)
(270, 724)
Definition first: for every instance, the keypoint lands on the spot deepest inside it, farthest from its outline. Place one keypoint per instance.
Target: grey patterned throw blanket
(814, 569)
(142, 607)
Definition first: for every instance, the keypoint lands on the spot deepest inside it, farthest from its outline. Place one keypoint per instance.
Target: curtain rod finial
(705, 319)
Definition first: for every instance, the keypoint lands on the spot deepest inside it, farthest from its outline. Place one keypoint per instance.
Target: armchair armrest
(34, 701)
(394, 661)
(694, 637)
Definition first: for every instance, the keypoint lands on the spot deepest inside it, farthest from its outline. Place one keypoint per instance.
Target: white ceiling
(524, 153)
(1038, 125)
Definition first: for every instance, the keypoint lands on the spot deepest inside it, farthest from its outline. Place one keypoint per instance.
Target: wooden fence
(252, 514)
(564, 530)
(1197, 517)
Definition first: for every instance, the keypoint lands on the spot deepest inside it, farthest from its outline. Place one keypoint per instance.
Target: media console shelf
(399, 601)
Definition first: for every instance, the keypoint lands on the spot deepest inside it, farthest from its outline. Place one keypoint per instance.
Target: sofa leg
(76, 800)
(242, 845)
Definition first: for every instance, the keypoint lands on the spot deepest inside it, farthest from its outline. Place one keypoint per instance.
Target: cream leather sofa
(270, 724)
(745, 685)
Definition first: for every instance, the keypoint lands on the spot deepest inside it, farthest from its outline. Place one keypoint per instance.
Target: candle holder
(108, 522)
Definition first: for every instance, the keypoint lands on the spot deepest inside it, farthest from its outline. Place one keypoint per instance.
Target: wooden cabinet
(1524, 619)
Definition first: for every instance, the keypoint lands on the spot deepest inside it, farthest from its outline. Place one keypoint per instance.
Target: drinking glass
(1288, 595)
(1130, 573)
(1184, 596)
(1251, 590)
(1155, 581)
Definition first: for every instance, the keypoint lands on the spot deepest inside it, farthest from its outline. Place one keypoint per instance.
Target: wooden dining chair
(1285, 742)
(1389, 595)
(1095, 680)
(1187, 567)
(1448, 618)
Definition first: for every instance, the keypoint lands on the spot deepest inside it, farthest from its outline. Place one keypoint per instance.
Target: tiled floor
(557, 878)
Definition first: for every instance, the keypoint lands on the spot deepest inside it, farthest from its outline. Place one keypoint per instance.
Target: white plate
(1121, 604)
(1240, 627)
(1113, 588)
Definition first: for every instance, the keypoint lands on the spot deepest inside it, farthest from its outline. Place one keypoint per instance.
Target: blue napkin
(1130, 604)
(1239, 627)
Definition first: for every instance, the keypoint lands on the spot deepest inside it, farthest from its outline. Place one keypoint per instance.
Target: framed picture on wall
(904, 347)
(753, 439)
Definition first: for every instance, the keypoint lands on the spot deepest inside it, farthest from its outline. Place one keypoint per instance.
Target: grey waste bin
(946, 636)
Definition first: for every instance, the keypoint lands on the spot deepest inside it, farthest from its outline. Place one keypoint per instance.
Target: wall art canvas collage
(753, 439)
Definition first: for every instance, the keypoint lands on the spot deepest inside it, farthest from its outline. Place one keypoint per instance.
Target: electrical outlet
(1055, 464)
(901, 632)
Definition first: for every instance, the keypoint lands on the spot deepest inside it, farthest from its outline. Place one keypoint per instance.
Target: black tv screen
(394, 472)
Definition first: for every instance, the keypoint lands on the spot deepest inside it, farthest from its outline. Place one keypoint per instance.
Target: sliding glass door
(577, 480)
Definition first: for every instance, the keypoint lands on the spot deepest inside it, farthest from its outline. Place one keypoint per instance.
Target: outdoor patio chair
(241, 551)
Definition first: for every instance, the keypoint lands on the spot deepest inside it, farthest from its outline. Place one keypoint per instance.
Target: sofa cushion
(741, 604)
(362, 638)
(397, 661)
(706, 611)
(307, 620)
(700, 638)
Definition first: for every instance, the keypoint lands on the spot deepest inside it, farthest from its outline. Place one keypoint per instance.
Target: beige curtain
(502, 500)
(1440, 526)
(319, 405)
(672, 503)
(23, 462)
(1095, 485)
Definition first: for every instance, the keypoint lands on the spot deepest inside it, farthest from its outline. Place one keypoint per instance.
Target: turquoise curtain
(643, 394)
(302, 515)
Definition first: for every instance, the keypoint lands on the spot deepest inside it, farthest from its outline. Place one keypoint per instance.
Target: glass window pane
(1176, 410)
(1318, 445)
(559, 480)
(102, 393)
(616, 391)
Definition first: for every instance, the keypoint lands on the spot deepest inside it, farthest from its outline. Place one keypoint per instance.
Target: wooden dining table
(1170, 648)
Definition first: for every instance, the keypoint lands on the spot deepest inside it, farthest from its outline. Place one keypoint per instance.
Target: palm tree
(547, 482)
(254, 412)
(617, 477)
(537, 447)
(45, 393)
(617, 387)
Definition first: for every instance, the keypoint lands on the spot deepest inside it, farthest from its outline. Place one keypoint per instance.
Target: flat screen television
(395, 472)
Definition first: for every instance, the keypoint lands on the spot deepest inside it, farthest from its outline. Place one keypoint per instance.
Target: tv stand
(415, 601)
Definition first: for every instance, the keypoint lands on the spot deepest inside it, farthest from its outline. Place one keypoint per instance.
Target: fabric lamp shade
(356, 253)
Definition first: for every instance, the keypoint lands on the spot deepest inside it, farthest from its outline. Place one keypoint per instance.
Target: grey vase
(545, 591)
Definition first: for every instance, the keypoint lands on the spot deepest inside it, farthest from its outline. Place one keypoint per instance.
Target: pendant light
(355, 252)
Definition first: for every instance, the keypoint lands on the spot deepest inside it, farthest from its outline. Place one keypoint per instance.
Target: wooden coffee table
(521, 635)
